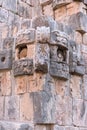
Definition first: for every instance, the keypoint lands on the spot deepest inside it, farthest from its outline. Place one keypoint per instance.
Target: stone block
(78, 22)
(63, 110)
(60, 13)
(10, 5)
(8, 42)
(85, 39)
(59, 70)
(61, 87)
(21, 85)
(23, 67)
(44, 107)
(78, 38)
(75, 86)
(25, 23)
(36, 8)
(75, 7)
(36, 82)
(12, 108)
(76, 60)
(1, 107)
(26, 107)
(31, 51)
(3, 15)
(79, 112)
(58, 3)
(24, 10)
(44, 103)
(4, 125)
(6, 59)
(28, 36)
(41, 58)
(48, 10)
(6, 84)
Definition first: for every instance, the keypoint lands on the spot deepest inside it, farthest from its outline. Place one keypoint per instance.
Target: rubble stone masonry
(43, 64)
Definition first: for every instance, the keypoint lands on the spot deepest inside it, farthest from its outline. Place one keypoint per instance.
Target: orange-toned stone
(5, 83)
(60, 13)
(75, 7)
(36, 82)
(30, 51)
(48, 10)
(21, 84)
(26, 107)
(75, 86)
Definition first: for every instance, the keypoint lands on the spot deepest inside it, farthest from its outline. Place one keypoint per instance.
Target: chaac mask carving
(52, 51)
(45, 49)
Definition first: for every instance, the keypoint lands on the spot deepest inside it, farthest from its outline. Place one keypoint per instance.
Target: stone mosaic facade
(43, 64)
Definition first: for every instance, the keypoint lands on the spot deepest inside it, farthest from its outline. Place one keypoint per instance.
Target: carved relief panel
(23, 64)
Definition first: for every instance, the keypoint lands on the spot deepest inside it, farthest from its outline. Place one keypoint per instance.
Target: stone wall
(43, 64)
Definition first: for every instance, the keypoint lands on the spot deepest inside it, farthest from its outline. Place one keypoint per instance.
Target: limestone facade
(43, 64)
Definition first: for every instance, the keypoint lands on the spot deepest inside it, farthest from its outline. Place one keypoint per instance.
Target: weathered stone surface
(61, 87)
(21, 85)
(76, 86)
(85, 39)
(5, 83)
(23, 67)
(48, 10)
(76, 60)
(63, 110)
(1, 107)
(8, 42)
(25, 24)
(12, 107)
(59, 38)
(24, 10)
(10, 5)
(43, 34)
(3, 15)
(26, 107)
(36, 82)
(5, 59)
(44, 103)
(25, 37)
(41, 58)
(44, 108)
(15, 126)
(59, 70)
(79, 112)
(78, 22)
(58, 3)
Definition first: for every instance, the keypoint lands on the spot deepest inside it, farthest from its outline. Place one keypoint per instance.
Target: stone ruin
(43, 65)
